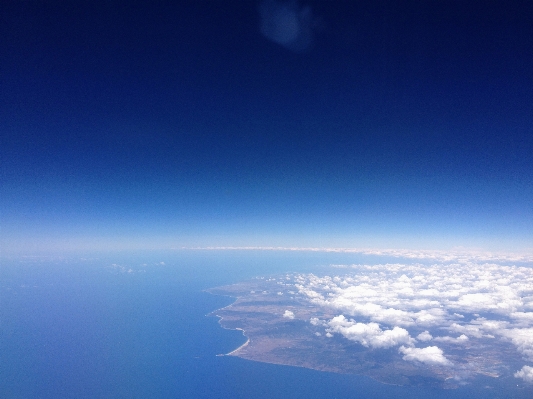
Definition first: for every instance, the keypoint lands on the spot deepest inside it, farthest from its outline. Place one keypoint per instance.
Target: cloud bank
(462, 256)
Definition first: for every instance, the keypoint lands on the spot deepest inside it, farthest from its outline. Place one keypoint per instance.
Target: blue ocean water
(130, 326)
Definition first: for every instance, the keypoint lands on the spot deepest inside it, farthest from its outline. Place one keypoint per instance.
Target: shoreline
(220, 319)
(232, 353)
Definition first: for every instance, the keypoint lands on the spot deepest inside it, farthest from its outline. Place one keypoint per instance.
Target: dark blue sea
(134, 325)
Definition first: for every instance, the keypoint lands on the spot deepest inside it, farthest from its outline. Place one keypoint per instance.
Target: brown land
(272, 338)
(258, 311)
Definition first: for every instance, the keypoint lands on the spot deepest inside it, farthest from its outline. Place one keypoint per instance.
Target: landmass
(283, 325)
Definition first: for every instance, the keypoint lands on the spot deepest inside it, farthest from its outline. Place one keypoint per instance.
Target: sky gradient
(357, 124)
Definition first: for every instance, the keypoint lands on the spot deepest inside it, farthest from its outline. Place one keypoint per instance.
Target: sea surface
(135, 325)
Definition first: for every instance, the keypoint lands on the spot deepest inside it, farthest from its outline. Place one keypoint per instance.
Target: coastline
(254, 355)
(233, 352)
(220, 318)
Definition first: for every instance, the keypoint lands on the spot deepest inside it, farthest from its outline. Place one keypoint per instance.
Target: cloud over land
(428, 355)
(416, 307)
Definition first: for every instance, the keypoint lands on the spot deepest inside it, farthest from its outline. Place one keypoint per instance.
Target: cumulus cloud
(432, 355)
(522, 338)
(424, 336)
(381, 306)
(315, 321)
(287, 24)
(470, 329)
(369, 334)
(526, 373)
(288, 314)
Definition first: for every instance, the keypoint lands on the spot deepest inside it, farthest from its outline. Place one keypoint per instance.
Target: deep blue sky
(133, 124)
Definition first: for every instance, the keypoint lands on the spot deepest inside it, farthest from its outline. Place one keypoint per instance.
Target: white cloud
(424, 336)
(370, 334)
(432, 355)
(459, 340)
(288, 314)
(472, 330)
(522, 338)
(526, 317)
(526, 373)
(287, 24)
(497, 301)
(315, 321)
(382, 305)
(429, 317)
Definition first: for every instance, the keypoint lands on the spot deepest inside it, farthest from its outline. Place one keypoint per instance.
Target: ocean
(135, 325)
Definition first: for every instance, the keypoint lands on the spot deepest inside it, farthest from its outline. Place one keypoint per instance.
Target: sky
(156, 125)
